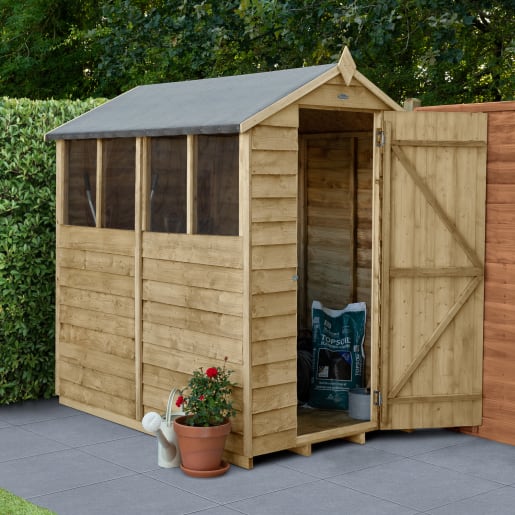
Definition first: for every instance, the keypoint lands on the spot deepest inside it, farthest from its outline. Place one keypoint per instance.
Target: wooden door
(433, 243)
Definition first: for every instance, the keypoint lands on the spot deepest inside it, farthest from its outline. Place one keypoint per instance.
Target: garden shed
(499, 322)
(199, 220)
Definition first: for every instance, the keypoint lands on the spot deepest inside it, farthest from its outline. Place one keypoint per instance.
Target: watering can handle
(169, 406)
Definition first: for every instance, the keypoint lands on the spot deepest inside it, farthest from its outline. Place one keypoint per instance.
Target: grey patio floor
(75, 464)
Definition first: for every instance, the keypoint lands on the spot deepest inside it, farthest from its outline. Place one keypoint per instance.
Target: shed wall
(273, 305)
(192, 314)
(499, 319)
(95, 292)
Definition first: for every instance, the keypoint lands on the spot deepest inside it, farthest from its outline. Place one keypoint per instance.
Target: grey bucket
(359, 404)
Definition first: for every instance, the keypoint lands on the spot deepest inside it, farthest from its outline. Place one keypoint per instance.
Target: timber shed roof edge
(205, 106)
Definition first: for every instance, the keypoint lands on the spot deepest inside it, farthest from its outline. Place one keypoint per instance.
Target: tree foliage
(442, 51)
(40, 56)
(439, 50)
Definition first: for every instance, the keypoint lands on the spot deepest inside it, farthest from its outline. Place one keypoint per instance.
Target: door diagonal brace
(433, 202)
(429, 344)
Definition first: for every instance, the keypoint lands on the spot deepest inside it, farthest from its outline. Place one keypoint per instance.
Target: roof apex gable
(346, 67)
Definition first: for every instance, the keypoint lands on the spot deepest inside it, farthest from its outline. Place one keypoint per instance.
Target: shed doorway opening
(335, 237)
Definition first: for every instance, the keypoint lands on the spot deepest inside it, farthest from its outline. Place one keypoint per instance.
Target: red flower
(211, 372)
(179, 401)
(201, 398)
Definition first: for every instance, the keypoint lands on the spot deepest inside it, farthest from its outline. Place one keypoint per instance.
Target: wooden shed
(200, 219)
(499, 323)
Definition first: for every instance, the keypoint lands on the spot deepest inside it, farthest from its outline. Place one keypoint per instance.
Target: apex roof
(205, 106)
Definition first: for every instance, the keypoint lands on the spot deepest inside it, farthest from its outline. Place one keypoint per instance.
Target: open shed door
(433, 243)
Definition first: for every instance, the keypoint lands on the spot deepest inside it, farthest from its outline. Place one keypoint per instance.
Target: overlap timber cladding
(192, 314)
(273, 262)
(95, 281)
(499, 346)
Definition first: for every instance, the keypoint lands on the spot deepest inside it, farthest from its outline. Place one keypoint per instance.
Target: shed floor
(311, 420)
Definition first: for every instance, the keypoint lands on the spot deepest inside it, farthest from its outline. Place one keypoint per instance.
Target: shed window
(167, 195)
(119, 162)
(217, 206)
(82, 183)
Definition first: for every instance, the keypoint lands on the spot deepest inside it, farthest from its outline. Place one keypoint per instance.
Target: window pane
(168, 185)
(119, 162)
(82, 182)
(217, 185)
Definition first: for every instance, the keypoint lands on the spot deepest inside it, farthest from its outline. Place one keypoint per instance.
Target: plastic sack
(338, 354)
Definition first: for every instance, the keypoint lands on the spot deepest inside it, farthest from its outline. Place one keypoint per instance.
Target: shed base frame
(306, 449)
(343, 427)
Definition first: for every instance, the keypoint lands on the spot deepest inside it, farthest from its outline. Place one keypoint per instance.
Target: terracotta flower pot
(201, 448)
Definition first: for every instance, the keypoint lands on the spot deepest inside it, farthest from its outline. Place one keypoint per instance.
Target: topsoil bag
(338, 354)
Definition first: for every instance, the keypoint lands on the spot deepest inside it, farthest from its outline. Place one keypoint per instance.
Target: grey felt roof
(206, 106)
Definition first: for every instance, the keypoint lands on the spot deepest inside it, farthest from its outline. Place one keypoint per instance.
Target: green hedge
(27, 244)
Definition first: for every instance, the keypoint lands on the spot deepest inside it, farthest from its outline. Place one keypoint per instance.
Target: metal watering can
(168, 454)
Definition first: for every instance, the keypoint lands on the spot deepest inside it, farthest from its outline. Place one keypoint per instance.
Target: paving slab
(237, 483)
(16, 442)
(500, 501)
(416, 442)
(335, 458)
(138, 453)
(55, 472)
(412, 483)
(4, 424)
(477, 457)
(75, 463)
(81, 430)
(219, 510)
(28, 412)
(134, 495)
(321, 497)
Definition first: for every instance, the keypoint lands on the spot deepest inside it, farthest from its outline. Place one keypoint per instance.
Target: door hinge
(380, 138)
(378, 398)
